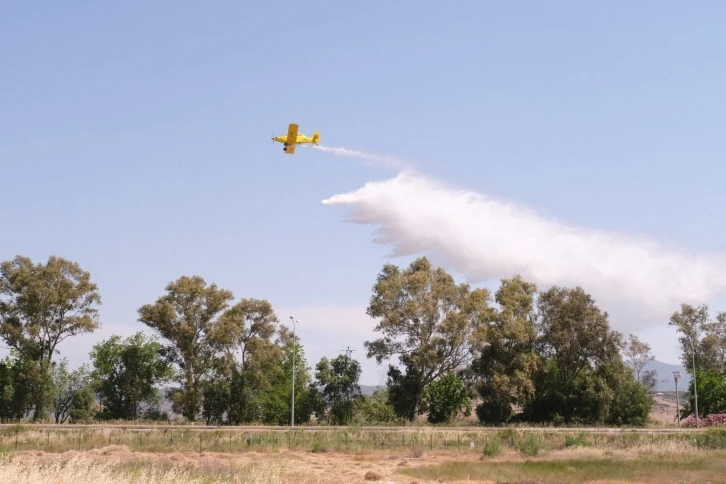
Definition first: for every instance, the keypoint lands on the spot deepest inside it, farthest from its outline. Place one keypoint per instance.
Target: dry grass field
(506, 456)
(118, 465)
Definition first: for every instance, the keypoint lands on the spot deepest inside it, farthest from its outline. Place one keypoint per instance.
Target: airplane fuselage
(294, 138)
(301, 138)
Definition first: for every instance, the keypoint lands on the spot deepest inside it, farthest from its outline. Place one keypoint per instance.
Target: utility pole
(348, 351)
(347, 355)
(695, 390)
(294, 350)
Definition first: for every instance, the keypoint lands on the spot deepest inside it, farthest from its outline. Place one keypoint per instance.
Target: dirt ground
(663, 411)
(294, 467)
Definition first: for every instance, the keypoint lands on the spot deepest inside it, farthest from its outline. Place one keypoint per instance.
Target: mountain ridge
(664, 377)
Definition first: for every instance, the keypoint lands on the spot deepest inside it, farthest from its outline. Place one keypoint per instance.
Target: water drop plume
(485, 238)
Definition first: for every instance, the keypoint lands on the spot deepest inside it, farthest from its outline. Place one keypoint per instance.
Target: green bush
(319, 446)
(375, 410)
(529, 446)
(577, 440)
(492, 448)
(712, 439)
(445, 397)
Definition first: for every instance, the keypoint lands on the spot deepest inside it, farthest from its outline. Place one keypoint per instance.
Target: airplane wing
(292, 134)
(289, 149)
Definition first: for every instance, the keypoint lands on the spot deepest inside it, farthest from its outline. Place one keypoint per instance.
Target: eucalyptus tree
(428, 322)
(40, 306)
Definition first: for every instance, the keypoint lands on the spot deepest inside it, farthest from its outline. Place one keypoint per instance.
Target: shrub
(492, 411)
(445, 397)
(416, 452)
(492, 448)
(713, 420)
(375, 410)
(529, 446)
(577, 440)
(319, 446)
(712, 439)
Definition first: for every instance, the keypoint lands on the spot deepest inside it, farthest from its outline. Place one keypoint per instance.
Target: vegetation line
(523, 357)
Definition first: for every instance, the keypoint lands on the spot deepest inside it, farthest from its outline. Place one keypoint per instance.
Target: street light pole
(695, 390)
(294, 350)
(676, 376)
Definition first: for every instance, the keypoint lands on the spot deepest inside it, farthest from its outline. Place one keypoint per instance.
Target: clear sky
(135, 137)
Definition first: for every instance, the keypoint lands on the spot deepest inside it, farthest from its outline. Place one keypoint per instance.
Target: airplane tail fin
(316, 137)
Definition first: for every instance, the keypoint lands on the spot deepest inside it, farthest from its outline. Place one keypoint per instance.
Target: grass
(169, 440)
(85, 470)
(506, 456)
(660, 468)
(529, 445)
(577, 440)
(416, 452)
(492, 448)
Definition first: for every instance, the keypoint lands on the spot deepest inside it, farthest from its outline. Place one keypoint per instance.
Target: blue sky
(135, 137)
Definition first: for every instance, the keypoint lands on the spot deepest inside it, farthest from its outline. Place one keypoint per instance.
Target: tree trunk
(42, 386)
(191, 398)
(416, 403)
(38, 404)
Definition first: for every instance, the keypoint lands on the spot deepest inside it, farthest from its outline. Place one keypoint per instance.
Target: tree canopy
(187, 317)
(40, 306)
(427, 320)
(532, 355)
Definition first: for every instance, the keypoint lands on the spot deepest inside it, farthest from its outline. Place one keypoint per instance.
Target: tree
(582, 364)
(507, 360)
(713, 345)
(427, 321)
(252, 377)
(252, 357)
(66, 384)
(711, 394)
(404, 390)
(82, 405)
(337, 382)
(127, 373)
(638, 355)
(376, 409)
(691, 322)
(40, 306)
(445, 397)
(187, 317)
(631, 403)
(274, 406)
(575, 332)
(15, 388)
(217, 394)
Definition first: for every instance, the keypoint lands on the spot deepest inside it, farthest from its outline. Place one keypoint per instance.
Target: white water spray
(369, 159)
(486, 238)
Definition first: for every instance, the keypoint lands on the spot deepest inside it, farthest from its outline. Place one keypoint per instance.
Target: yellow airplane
(293, 139)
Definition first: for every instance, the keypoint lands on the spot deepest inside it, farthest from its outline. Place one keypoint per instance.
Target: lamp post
(695, 390)
(676, 376)
(294, 350)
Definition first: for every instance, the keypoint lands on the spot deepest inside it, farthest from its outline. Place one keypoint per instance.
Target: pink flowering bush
(713, 420)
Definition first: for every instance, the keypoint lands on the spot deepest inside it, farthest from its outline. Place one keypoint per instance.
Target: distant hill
(370, 389)
(665, 377)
